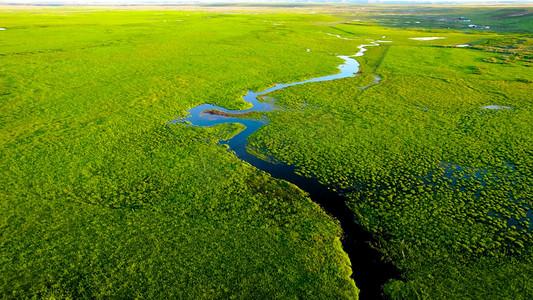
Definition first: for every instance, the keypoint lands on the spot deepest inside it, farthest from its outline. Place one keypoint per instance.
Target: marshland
(421, 155)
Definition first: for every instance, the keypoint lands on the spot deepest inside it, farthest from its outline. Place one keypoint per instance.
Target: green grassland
(446, 185)
(100, 198)
(504, 19)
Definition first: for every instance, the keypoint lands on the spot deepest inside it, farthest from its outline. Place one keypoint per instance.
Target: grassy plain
(100, 198)
(444, 184)
(499, 18)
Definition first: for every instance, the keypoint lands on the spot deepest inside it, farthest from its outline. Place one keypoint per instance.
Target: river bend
(370, 272)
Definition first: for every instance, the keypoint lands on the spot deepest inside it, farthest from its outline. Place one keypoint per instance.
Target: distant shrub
(524, 80)
(479, 70)
(490, 60)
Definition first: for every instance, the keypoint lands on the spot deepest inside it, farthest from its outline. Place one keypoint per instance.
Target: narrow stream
(369, 271)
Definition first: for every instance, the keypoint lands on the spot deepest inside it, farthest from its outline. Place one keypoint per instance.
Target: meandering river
(369, 271)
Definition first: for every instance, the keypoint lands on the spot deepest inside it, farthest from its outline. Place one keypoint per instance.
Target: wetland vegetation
(102, 198)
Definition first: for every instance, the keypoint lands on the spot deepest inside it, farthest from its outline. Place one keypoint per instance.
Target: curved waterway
(369, 271)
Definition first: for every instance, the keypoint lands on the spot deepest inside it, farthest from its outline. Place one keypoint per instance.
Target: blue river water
(370, 272)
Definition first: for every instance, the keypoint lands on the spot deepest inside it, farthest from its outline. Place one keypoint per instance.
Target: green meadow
(101, 198)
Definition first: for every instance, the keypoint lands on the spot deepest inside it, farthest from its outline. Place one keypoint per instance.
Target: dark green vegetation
(504, 19)
(101, 199)
(514, 50)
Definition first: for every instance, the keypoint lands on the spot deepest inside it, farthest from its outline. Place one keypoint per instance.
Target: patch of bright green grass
(444, 184)
(100, 198)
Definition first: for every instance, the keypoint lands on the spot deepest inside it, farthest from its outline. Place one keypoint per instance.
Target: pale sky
(253, 1)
